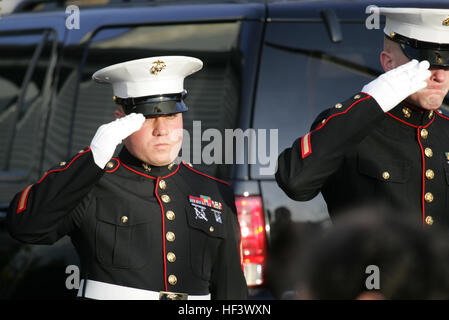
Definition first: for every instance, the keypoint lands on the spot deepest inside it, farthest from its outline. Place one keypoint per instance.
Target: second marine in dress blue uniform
(389, 143)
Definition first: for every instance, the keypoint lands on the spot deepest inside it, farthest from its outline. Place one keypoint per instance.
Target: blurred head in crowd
(369, 254)
(288, 239)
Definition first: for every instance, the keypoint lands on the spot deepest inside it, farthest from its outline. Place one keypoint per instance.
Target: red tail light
(253, 246)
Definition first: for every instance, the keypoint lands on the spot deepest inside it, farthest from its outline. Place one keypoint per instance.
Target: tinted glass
(303, 73)
(25, 83)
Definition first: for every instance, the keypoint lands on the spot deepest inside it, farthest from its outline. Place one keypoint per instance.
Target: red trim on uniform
(442, 116)
(56, 170)
(423, 179)
(135, 171)
(306, 147)
(163, 234)
(168, 175)
(405, 122)
(113, 170)
(26, 192)
(343, 112)
(433, 119)
(319, 126)
(413, 107)
(306, 144)
(187, 166)
(409, 124)
(23, 199)
(148, 176)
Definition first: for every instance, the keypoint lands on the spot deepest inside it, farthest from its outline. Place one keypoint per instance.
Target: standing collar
(412, 115)
(134, 164)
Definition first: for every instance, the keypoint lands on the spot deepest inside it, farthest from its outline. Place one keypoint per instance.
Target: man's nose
(160, 127)
(439, 75)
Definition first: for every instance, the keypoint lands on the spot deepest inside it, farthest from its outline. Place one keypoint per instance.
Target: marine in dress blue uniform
(142, 231)
(383, 144)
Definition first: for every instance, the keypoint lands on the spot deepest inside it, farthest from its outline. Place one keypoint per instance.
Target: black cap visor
(151, 106)
(437, 54)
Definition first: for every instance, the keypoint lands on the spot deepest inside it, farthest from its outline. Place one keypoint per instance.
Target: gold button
(430, 114)
(170, 215)
(386, 175)
(357, 96)
(162, 184)
(172, 279)
(407, 112)
(428, 152)
(211, 229)
(171, 257)
(165, 198)
(62, 163)
(430, 174)
(110, 165)
(429, 220)
(114, 98)
(124, 219)
(428, 197)
(424, 133)
(170, 236)
(170, 166)
(392, 34)
(338, 106)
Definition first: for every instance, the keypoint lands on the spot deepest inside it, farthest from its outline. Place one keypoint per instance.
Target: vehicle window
(213, 93)
(302, 73)
(24, 95)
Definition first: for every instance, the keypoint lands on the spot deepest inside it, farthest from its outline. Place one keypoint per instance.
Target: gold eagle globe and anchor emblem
(157, 67)
(446, 22)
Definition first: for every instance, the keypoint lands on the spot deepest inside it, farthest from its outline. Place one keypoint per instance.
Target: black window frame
(21, 176)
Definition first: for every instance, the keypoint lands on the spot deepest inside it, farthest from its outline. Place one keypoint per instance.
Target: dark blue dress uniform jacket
(356, 154)
(137, 228)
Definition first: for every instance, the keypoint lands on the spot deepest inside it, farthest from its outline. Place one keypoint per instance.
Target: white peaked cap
(429, 25)
(148, 76)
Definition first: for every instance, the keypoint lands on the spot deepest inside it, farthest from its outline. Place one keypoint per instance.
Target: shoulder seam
(116, 166)
(66, 167)
(203, 174)
(442, 116)
(306, 146)
(23, 200)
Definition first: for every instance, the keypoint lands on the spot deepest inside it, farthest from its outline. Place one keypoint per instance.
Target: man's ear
(119, 113)
(387, 60)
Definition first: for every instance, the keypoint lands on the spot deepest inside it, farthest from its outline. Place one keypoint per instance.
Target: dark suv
(269, 69)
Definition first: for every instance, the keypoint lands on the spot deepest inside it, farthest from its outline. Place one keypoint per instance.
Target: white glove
(110, 135)
(390, 88)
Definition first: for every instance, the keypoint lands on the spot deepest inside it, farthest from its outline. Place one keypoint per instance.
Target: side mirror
(332, 25)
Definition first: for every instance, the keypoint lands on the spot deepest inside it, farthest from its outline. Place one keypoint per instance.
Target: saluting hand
(109, 135)
(390, 88)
